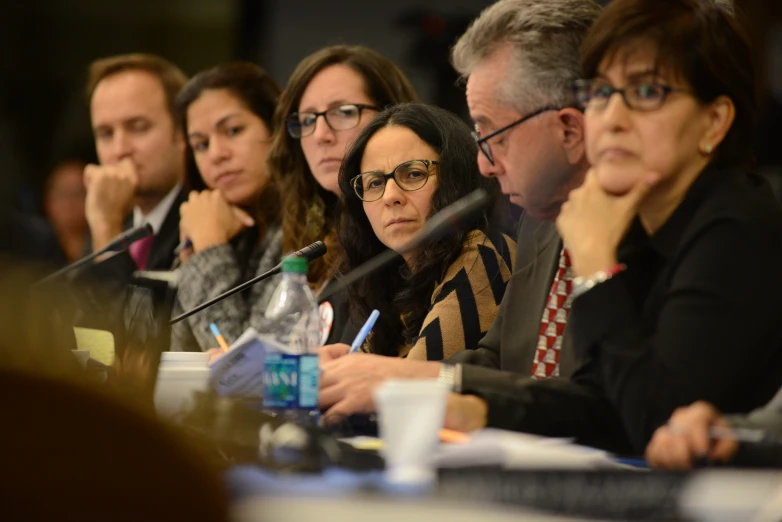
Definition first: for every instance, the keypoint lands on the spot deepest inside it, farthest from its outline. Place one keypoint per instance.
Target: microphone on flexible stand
(119, 243)
(451, 219)
(311, 252)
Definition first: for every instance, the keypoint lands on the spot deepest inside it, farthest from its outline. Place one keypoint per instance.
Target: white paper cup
(184, 359)
(411, 414)
(175, 388)
(82, 356)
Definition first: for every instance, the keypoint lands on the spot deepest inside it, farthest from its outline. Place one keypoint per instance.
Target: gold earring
(707, 149)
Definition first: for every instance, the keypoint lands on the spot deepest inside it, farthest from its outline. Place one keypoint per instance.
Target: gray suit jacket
(511, 342)
(768, 417)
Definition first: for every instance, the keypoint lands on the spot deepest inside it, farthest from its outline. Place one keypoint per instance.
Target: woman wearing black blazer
(675, 245)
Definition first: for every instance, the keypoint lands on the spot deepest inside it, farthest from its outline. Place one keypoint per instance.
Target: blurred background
(45, 46)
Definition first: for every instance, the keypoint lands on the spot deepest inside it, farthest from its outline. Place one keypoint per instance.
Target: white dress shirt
(159, 213)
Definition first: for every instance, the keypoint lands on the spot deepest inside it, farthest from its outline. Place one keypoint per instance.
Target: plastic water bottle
(292, 323)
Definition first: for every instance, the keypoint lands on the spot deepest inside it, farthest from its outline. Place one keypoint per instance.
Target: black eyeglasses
(341, 117)
(409, 176)
(483, 143)
(644, 96)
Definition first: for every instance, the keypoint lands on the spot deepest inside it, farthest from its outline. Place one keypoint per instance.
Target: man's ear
(571, 127)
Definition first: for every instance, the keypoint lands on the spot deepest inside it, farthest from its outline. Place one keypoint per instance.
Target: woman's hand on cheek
(592, 222)
(208, 219)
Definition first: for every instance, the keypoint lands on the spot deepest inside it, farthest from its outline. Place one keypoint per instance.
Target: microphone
(125, 239)
(451, 219)
(119, 243)
(311, 252)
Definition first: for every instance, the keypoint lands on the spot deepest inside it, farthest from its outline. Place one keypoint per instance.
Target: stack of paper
(511, 450)
(239, 373)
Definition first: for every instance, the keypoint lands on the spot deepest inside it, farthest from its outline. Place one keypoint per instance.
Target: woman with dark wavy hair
(675, 243)
(331, 95)
(231, 216)
(410, 162)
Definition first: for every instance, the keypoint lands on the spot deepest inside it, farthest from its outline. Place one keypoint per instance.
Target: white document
(512, 450)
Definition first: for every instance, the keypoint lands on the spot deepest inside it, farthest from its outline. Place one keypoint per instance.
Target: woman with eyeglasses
(410, 162)
(676, 246)
(231, 218)
(331, 96)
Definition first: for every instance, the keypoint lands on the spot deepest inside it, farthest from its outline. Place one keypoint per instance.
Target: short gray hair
(545, 36)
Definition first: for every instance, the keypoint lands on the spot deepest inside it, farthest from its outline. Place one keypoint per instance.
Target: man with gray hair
(520, 58)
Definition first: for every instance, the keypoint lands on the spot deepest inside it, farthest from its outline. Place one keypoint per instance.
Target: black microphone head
(466, 208)
(131, 236)
(452, 218)
(313, 251)
(138, 233)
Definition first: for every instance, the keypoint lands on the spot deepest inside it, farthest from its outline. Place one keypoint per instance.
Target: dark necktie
(140, 250)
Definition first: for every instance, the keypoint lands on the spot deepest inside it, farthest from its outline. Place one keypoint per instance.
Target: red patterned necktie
(139, 251)
(552, 324)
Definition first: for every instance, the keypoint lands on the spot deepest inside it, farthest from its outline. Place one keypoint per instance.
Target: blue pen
(184, 245)
(364, 332)
(220, 339)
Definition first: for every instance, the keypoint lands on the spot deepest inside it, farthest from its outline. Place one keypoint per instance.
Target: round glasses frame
(354, 182)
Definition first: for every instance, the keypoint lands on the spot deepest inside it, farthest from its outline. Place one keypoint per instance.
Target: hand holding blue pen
(184, 245)
(364, 332)
(220, 339)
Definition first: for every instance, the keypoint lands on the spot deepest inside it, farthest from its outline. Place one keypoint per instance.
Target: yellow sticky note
(100, 344)
(365, 443)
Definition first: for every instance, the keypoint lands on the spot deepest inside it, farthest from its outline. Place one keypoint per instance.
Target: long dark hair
(258, 91)
(307, 208)
(400, 294)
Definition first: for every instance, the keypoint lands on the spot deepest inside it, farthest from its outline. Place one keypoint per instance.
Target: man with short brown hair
(141, 150)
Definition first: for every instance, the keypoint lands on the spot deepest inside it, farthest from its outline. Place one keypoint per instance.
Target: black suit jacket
(102, 286)
(119, 267)
(511, 342)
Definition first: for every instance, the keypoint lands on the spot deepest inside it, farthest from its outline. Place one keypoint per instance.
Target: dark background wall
(45, 46)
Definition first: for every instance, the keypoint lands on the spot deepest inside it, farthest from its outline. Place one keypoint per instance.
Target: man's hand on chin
(110, 193)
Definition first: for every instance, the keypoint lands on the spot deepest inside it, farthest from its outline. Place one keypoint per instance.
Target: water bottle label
(291, 381)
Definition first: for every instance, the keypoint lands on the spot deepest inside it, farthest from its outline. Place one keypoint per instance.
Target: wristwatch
(451, 374)
(584, 284)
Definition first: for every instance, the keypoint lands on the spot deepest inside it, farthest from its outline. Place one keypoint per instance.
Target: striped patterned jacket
(464, 304)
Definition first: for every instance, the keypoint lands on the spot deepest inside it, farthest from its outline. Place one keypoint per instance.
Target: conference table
(496, 493)
(495, 475)
(378, 509)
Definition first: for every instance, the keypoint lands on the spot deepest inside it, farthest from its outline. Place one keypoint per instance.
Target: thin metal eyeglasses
(642, 96)
(483, 143)
(409, 176)
(341, 117)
